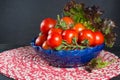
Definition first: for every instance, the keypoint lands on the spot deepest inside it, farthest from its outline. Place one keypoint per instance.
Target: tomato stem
(66, 46)
(61, 24)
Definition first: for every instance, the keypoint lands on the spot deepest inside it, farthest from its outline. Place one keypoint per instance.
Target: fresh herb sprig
(91, 17)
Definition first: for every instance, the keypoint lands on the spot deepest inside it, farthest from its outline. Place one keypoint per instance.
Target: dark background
(20, 19)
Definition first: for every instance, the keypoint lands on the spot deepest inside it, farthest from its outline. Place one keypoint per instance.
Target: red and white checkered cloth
(24, 64)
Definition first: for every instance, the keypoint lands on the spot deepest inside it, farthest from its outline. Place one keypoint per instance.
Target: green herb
(74, 45)
(91, 17)
(98, 63)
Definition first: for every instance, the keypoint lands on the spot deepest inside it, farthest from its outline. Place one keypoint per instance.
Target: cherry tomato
(40, 39)
(99, 38)
(46, 24)
(87, 34)
(79, 27)
(69, 34)
(55, 30)
(45, 45)
(54, 40)
(68, 20)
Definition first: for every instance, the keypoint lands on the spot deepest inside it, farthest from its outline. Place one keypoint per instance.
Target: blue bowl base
(55, 61)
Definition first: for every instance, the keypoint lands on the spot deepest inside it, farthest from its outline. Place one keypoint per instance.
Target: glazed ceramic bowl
(68, 58)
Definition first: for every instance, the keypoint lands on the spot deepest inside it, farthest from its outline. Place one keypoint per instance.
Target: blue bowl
(68, 58)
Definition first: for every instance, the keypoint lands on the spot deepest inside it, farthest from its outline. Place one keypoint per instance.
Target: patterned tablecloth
(24, 64)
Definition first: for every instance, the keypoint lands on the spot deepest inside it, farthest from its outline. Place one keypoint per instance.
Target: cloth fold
(25, 64)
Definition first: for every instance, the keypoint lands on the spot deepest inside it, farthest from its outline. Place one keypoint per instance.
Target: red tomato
(68, 20)
(87, 34)
(54, 40)
(68, 35)
(46, 24)
(40, 39)
(45, 45)
(55, 30)
(99, 38)
(79, 27)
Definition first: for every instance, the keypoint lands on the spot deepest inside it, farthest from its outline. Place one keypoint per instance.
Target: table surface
(3, 47)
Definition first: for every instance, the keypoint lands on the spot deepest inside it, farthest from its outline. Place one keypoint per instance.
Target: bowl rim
(33, 45)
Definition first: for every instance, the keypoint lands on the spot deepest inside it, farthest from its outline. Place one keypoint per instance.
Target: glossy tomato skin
(69, 34)
(47, 24)
(79, 27)
(40, 39)
(55, 30)
(99, 38)
(54, 40)
(45, 45)
(87, 34)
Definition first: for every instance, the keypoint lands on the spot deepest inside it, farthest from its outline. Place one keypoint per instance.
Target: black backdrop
(20, 19)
